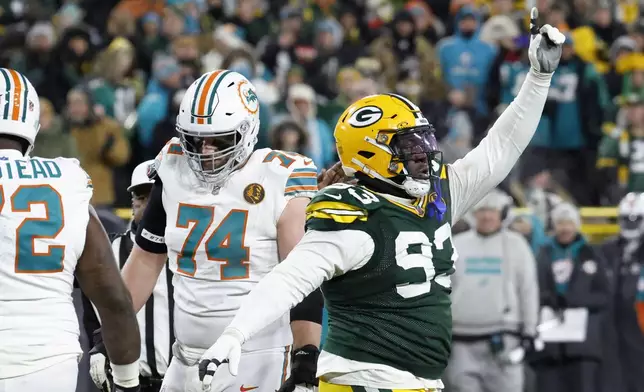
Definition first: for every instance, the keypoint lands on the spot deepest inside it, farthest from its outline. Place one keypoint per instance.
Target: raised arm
(491, 161)
(98, 275)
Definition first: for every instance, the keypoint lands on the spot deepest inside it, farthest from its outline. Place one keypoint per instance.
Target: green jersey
(395, 310)
(623, 150)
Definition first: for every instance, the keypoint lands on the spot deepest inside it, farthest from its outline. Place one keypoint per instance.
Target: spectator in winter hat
(301, 105)
(465, 60)
(288, 135)
(428, 25)
(499, 28)
(37, 61)
(619, 64)
(104, 145)
(153, 108)
(53, 139)
(495, 301)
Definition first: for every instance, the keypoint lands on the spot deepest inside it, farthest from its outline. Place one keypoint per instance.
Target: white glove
(304, 388)
(97, 371)
(220, 363)
(545, 45)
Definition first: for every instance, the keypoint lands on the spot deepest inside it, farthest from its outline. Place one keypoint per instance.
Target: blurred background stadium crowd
(111, 74)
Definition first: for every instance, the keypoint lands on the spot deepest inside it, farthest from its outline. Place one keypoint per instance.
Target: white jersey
(220, 245)
(43, 221)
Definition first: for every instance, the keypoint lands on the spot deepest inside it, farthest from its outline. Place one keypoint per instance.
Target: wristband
(126, 376)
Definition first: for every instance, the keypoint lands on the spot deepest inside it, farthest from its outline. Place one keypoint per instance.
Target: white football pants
(259, 371)
(57, 378)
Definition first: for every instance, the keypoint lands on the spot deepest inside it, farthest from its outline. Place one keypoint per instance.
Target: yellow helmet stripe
(17, 95)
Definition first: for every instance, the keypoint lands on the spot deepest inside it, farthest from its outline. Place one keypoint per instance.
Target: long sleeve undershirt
(321, 256)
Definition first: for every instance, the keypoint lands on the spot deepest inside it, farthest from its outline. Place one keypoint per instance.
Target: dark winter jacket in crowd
(626, 354)
(584, 286)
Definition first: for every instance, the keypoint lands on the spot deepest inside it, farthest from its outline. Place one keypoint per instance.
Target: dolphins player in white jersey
(224, 215)
(49, 233)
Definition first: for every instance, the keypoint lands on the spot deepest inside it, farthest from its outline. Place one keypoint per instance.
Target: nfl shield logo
(31, 106)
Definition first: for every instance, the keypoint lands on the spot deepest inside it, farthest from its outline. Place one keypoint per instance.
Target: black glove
(527, 343)
(304, 365)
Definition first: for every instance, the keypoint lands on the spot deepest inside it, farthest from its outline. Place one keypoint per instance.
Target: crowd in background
(111, 75)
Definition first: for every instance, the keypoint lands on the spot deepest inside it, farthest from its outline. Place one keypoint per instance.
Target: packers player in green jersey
(381, 249)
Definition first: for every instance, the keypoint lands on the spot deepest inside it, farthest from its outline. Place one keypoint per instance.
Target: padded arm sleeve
(151, 232)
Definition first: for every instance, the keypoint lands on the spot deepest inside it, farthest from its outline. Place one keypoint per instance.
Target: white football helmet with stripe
(218, 123)
(630, 216)
(19, 107)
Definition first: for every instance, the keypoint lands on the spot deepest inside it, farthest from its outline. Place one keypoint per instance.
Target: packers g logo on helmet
(386, 137)
(365, 116)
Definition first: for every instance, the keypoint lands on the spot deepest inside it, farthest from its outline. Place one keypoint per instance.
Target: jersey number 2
(225, 244)
(46, 228)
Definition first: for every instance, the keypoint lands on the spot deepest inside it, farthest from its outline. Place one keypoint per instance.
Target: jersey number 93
(46, 227)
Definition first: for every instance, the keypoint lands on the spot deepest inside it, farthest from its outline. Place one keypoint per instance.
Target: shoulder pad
(300, 171)
(342, 203)
(166, 158)
(72, 167)
(172, 147)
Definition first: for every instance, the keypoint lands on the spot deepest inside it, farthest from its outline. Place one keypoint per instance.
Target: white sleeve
(483, 168)
(319, 256)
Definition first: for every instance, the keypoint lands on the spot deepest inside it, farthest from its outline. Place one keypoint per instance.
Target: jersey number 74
(30, 229)
(225, 244)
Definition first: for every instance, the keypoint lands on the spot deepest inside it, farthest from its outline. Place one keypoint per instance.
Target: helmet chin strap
(414, 188)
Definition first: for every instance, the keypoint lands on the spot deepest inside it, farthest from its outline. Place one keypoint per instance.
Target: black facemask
(417, 149)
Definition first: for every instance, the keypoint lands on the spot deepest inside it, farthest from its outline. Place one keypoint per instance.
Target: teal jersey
(395, 310)
(513, 74)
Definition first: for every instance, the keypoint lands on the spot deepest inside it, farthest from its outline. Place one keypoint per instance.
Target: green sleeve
(341, 207)
(608, 152)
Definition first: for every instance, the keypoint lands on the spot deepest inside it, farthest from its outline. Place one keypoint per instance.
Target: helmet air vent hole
(366, 154)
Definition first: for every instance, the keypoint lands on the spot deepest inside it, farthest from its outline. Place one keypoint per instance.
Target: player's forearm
(120, 332)
(305, 333)
(140, 274)
(491, 161)
(306, 320)
(278, 292)
(513, 130)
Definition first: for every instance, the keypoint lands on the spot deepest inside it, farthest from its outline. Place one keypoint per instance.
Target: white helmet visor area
(214, 158)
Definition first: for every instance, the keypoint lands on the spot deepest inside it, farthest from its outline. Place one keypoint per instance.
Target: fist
(545, 45)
